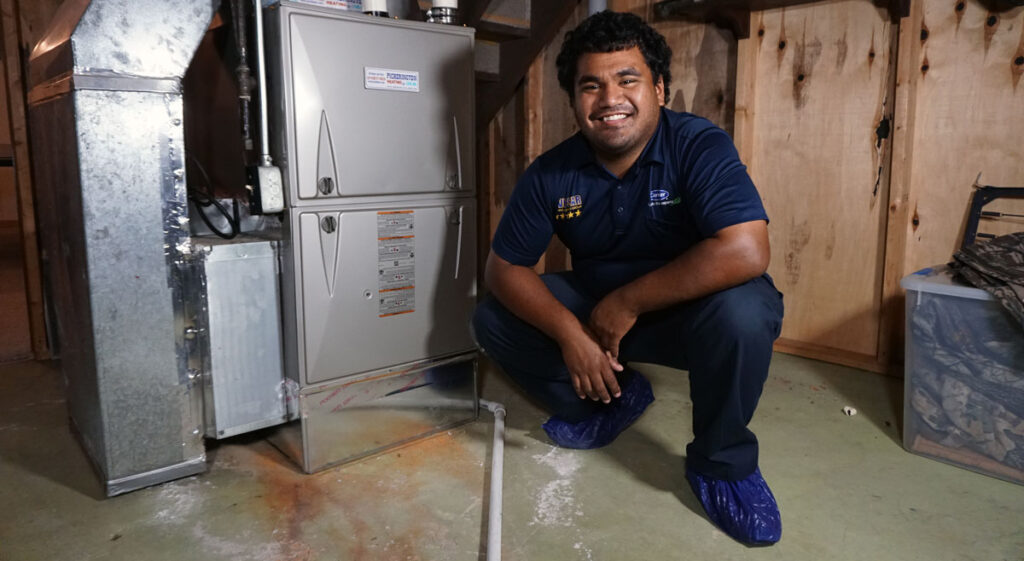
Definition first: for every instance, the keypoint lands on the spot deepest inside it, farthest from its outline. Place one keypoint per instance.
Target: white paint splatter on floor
(556, 501)
(244, 547)
(555, 504)
(177, 501)
(585, 550)
(565, 462)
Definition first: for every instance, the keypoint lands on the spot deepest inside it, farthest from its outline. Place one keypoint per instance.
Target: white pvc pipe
(261, 69)
(497, 465)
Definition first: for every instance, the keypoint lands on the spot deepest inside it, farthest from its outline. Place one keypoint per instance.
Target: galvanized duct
(105, 112)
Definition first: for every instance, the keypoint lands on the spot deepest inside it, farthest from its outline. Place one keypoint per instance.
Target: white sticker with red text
(390, 79)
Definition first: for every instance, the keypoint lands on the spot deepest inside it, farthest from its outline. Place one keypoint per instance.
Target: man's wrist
(627, 300)
(567, 329)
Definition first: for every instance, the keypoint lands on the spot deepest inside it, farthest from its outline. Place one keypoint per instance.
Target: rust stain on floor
(373, 509)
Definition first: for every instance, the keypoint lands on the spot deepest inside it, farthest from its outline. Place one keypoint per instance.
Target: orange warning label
(396, 262)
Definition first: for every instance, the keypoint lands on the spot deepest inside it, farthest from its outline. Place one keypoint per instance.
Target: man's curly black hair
(608, 31)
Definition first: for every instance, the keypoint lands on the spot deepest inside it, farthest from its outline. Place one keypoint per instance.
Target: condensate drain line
(497, 465)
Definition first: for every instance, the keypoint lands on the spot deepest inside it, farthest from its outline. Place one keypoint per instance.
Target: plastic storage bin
(964, 381)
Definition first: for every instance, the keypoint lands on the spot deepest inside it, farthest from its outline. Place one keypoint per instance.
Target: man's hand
(591, 368)
(522, 291)
(610, 320)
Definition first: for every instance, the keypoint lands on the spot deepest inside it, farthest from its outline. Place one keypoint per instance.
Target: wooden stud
(890, 334)
(23, 173)
(485, 200)
(888, 328)
(533, 135)
(746, 93)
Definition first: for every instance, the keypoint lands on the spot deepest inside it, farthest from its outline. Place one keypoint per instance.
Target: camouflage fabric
(998, 268)
(968, 386)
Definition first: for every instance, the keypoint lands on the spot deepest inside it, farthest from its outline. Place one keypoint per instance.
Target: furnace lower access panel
(381, 286)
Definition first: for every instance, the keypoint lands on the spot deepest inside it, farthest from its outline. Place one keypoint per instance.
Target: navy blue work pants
(724, 340)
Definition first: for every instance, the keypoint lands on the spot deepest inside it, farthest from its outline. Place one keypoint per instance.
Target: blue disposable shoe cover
(744, 509)
(602, 427)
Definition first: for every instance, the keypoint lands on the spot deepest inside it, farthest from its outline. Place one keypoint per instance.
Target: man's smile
(612, 117)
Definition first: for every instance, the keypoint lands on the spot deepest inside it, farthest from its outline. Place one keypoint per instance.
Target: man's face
(616, 102)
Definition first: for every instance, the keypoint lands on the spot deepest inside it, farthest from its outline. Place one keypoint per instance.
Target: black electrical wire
(209, 200)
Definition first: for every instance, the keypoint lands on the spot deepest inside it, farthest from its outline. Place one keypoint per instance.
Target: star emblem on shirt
(569, 207)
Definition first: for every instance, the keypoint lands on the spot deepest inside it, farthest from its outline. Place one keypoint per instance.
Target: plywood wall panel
(555, 112)
(823, 85)
(968, 119)
(703, 64)
(508, 152)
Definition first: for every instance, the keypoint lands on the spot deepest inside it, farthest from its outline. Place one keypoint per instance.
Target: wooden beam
(473, 11)
(9, 21)
(516, 57)
(734, 14)
(907, 53)
(829, 354)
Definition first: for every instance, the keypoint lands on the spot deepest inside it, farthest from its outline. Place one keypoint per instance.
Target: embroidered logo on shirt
(660, 197)
(569, 207)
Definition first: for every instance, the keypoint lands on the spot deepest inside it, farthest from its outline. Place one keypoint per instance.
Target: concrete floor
(845, 486)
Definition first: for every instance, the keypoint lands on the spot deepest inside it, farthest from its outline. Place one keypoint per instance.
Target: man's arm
(521, 290)
(732, 256)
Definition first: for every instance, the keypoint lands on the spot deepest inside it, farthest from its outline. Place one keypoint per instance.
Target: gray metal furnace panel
(382, 285)
(370, 106)
(244, 386)
(362, 415)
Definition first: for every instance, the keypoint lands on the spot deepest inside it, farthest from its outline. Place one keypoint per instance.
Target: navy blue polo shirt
(687, 184)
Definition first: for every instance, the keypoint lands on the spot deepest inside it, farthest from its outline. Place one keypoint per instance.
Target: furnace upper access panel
(371, 106)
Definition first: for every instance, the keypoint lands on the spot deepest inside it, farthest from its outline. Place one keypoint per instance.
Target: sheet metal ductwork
(105, 110)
